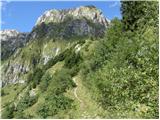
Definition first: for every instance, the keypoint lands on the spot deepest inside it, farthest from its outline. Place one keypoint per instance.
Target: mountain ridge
(82, 22)
(90, 12)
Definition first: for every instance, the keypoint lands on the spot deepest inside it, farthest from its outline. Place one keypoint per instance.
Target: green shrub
(26, 102)
(61, 81)
(54, 104)
(8, 112)
(2, 92)
(72, 60)
(34, 77)
(139, 13)
(126, 82)
(43, 110)
(45, 82)
(55, 101)
(19, 115)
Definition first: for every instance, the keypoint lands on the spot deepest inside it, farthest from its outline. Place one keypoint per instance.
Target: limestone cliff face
(41, 44)
(81, 21)
(88, 12)
(10, 41)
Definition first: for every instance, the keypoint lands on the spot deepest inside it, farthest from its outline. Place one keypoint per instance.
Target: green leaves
(26, 102)
(72, 59)
(136, 14)
(128, 76)
(55, 101)
(53, 105)
(8, 112)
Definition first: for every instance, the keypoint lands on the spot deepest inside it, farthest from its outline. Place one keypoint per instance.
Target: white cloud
(114, 4)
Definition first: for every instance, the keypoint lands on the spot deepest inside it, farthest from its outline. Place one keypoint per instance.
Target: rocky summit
(88, 12)
(81, 21)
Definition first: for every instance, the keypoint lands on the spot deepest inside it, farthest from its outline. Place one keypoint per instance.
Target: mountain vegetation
(87, 68)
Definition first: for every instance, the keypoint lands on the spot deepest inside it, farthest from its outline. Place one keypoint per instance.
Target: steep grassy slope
(103, 88)
(94, 69)
(114, 76)
(36, 91)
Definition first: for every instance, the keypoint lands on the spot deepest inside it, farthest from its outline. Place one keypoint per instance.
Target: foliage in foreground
(126, 84)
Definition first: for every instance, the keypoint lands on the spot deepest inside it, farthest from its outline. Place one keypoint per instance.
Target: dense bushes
(55, 87)
(2, 92)
(54, 104)
(138, 13)
(34, 77)
(57, 83)
(104, 48)
(8, 112)
(45, 82)
(61, 81)
(16, 110)
(72, 59)
(56, 59)
(25, 102)
(126, 81)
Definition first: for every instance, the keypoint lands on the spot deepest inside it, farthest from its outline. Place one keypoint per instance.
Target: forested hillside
(86, 66)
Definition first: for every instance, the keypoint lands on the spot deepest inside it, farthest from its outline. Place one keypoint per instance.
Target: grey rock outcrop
(58, 16)
(12, 71)
(10, 41)
(67, 23)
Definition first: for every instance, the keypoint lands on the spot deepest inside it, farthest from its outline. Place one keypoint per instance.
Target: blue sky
(22, 16)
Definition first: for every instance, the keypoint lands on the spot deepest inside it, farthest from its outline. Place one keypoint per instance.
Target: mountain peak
(89, 12)
(9, 33)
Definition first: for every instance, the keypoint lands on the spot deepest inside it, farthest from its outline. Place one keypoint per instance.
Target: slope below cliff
(54, 32)
(45, 60)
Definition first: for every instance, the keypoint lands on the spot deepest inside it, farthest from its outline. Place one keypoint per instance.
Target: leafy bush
(54, 104)
(38, 73)
(8, 112)
(72, 60)
(55, 101)
(126, 84)
(61, 81)
(26, 102)
(2, 92)
(139, 13)
(45, 82)
(35, 77)
(19, 115)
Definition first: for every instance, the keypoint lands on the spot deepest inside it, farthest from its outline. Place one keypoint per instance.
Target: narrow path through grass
(88, 108)
(75, 93)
